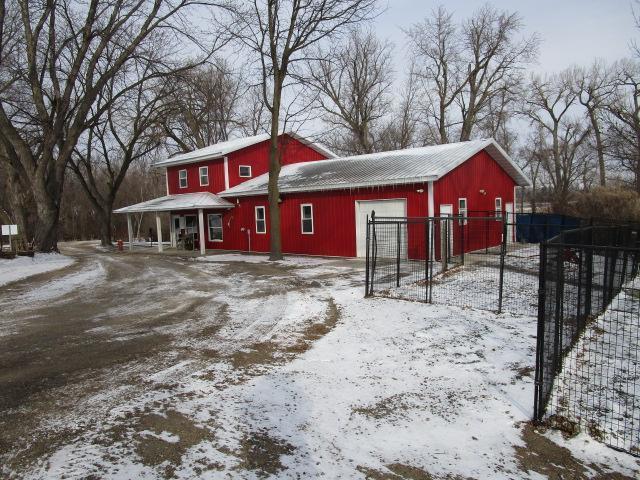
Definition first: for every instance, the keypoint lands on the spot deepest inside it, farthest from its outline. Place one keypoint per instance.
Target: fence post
(374, 251)
(462, 220)
(432, 235)
(427, 255)
(589, 286)
(398, 254)
(605, 281)
(366, 265)
(503, 252)
(538, 404)
(580, 303)
(557, 341)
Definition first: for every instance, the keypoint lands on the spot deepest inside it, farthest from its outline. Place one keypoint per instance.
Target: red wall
(257, 156)
(216, 177)
(293, 151)
(334, 220)
(480, 172)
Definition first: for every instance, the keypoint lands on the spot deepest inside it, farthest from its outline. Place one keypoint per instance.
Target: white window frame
(302, 219)
(498, 207)
(209, 227)
(186, 180)
(240, 167)
(264, 219)
(206, 170)
(462, 211)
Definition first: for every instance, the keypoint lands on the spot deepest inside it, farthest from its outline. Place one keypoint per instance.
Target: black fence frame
(573, 294)
(490, 236)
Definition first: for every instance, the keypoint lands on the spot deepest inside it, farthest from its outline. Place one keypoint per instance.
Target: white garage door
(383, 208)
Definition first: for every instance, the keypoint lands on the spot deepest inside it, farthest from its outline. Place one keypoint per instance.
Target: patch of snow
(20, 268)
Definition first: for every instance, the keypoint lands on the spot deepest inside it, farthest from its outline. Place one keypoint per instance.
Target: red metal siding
(334, 220)
(257, 156)
(480, 173)
(334, 212)
(216, 177)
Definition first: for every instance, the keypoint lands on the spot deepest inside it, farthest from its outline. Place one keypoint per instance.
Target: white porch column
(172, 231)
(130, 230)
(201, 230)
(159, 228)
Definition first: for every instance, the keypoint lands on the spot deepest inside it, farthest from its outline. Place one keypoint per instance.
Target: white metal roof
(397, 167)
(184, 201)
(224, 148)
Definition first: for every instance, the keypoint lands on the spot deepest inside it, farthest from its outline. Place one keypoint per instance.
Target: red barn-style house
(218, 195)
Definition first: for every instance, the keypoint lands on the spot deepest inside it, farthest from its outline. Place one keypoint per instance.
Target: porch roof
(183, 201)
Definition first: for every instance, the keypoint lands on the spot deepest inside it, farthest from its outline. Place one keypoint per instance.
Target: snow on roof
(223, 148)
(397, 167)
(184, 201)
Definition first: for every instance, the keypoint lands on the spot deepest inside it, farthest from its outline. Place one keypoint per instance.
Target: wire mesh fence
(481, 259)
(587, 375)
(579, 280)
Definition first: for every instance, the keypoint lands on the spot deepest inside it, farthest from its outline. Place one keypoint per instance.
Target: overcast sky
(572, 31)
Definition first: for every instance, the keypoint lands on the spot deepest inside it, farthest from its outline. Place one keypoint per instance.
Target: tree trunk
(274, 174)
(105, 226)
(46, 232)
(599, 146)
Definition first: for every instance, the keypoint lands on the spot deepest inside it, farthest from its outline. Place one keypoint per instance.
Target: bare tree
(63, 54)
(548, 108)
(594, 88)
(469, 68)
(623, 124)
(124, 135)
(496, 120)
(279, 33)
(203, 107)
(354, 83)
(438, 57)
(255, 117)
(401, 130)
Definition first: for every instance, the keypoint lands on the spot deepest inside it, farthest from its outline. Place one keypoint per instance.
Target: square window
(245, 171)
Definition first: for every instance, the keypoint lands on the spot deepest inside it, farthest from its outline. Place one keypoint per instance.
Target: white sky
(572, 31)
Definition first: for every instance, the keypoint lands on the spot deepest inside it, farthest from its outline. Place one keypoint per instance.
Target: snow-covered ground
(305, 378)
(24, 267)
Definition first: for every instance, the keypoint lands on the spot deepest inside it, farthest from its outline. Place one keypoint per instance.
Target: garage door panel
(383, 208)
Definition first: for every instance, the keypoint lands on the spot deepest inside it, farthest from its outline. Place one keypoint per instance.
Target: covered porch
(187, 217)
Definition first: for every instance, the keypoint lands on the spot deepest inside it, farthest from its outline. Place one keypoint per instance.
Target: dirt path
(77, 343)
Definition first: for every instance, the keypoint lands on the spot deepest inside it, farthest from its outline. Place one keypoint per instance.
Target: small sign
(9, 230)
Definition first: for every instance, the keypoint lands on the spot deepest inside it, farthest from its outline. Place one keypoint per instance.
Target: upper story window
(182, 178)
(462, 210)
(498, 208)
(261, 222)
(204, 176)
(244, 171)
(306, 214)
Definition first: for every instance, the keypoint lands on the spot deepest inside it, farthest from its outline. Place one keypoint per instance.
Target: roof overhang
(194, 157)
(338, 186)
(179, 202)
